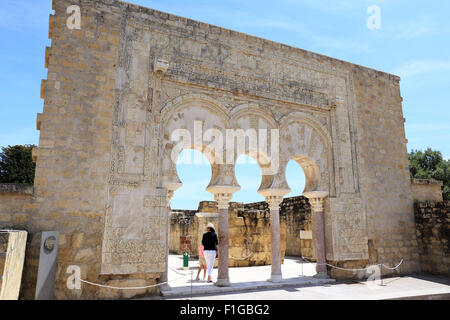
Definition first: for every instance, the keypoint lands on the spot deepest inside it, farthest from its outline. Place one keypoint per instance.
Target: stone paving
(250, 283)
(416, 287)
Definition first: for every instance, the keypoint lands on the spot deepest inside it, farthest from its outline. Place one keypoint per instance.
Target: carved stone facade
(122, 84)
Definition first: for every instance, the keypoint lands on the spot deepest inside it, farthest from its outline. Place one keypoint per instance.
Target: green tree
(430, 164)
(16, 165)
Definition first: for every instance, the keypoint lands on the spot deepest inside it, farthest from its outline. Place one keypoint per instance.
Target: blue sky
(413, 42)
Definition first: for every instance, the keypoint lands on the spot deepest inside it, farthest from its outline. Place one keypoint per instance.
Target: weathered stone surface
(433, 235)
(12, 251)
(426, 190)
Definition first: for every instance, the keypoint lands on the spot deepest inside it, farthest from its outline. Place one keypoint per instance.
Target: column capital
(170, 194)
(223, 194)
(316, 199)
(274, 201)
(274, 196)
(171, 187)
(223, 200)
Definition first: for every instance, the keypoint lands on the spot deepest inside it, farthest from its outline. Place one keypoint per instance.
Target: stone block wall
(183, 223)
(433, 235)
(296, 214)
(426, 190)
(250, 235)
(385, 183)
(15, 206)
(73, 157)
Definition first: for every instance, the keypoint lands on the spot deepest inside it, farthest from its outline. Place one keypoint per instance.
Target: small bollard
(185, 260)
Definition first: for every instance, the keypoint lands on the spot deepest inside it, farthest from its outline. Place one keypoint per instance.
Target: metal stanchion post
(303, 261)
(381, 274)
(192, 272)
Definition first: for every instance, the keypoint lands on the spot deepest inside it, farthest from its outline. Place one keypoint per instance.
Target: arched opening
(194, 171)
(248, 175)
(295, 177)
(185, 224)
(295, 213)
(249, 225)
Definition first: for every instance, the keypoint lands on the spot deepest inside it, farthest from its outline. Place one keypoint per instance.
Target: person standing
(210, 242)
(201, 262)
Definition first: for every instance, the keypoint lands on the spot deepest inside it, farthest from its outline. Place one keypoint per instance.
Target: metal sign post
(45, 285)
(186, 260)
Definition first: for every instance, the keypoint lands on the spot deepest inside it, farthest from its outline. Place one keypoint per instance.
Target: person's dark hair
(211, 229)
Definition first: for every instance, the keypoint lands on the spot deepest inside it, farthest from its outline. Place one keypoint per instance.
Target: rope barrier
(130, 288)
(396, 267)
(242, 259)
(179, 272)
(356, 269)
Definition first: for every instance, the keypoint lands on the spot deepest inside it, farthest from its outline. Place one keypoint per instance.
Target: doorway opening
(295, 213)
(185, 221)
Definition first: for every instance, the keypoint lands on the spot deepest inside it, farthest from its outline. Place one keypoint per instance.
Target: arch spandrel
(194, 115)
(306, 141)
(247, 116)
(182, 102)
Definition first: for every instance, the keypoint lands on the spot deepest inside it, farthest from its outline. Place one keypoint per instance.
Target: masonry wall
(15, 206)
(73, 158)
(385, 183)
(183, 223)
(296, 213)
(433, 234)
(426, 190)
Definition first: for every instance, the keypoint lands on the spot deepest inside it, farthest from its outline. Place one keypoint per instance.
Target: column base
(223, 283)
(165, 287)
(276, 278)
(321, 275)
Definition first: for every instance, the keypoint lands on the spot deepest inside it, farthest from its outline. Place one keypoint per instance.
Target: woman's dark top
(210, 241)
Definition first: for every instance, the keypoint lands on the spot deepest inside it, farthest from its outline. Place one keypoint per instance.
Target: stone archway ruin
(103, 178)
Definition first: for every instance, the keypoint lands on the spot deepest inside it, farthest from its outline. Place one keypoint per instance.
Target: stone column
(316, 199)
(165, 275)
(275, 253)
(223, 202)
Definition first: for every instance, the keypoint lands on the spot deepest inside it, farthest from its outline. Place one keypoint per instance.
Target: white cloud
(419, 67)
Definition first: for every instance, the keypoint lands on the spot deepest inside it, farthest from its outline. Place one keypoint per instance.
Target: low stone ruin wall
(433, 235)
(426, 190)
(15, 206)
(250, 235)
(296, 213)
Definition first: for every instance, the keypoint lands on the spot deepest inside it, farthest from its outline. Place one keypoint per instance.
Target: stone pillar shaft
(275, 252)
(223, 193)
(165, 275)
(223, 278)
(319, 231)
(317, 199)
